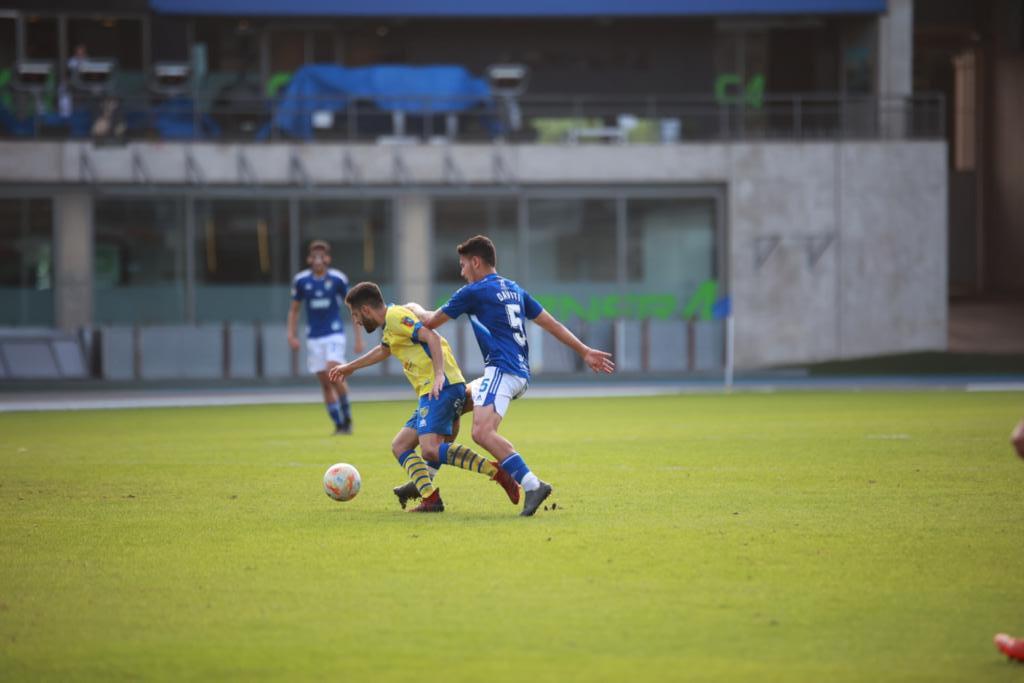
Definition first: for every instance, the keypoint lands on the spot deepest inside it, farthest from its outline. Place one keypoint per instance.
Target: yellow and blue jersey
(401, 336)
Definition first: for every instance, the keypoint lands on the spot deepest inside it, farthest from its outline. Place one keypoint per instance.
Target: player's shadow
(405, 517)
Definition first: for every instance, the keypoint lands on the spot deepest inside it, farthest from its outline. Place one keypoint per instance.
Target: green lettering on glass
(722, 86)
(755, 91)
(660, 306)
(5, 93)
(277, 82)
(729, 90)
(702, 302)
(631, 306)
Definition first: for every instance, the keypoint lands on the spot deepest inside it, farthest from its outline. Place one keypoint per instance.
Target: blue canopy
(411, 89)
(513, 8)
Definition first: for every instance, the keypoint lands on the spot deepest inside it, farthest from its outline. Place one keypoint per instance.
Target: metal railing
(544, 119)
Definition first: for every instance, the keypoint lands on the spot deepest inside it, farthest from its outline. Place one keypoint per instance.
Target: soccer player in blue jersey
(321, 288)
(499, 309)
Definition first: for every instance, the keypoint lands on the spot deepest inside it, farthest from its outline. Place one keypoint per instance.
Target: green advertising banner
(701, 305)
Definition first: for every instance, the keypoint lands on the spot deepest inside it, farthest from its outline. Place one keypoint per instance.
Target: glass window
(287, 50)
(572, 240)
(859, 38)
(8, 43)
(323, 47)
(41, 38)
(170, 38)
(26, 262)
(572, 271)
(241, 249)
(670, 245)
(360, 236)
(120, 39)
(139, 261)
(230, 45)
(456, 220)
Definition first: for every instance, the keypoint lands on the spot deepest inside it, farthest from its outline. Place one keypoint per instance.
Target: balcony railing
(533, 119)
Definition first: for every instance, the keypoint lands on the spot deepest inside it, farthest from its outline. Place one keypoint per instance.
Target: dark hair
(479, 246)
(365, 294)
(319, 244)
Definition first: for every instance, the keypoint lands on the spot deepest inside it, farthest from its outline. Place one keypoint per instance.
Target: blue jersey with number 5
(498, 309)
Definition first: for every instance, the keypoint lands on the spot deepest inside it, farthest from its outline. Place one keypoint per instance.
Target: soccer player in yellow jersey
(435, 376)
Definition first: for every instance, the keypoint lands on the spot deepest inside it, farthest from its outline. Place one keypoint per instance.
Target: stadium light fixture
(508, 82)
(32, 75)
(171, 79)
(95, 76)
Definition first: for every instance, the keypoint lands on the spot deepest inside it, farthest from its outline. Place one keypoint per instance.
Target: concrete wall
(1005, 231)
(896, 49)
(835, 249)
(73, 259)
(412, 239)
(895, 64)
(873, 215)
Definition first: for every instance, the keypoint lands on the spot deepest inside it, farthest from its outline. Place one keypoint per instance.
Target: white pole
(730, 347)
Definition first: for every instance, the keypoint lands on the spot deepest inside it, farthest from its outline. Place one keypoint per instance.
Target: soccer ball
(342, 482)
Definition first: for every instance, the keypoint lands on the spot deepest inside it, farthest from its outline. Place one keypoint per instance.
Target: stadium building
(825, 172)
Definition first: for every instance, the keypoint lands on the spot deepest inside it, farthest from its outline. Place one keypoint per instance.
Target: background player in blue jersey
(322, 289)
(499, 309)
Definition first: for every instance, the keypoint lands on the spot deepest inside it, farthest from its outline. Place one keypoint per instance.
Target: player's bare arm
(375, 355)
(293, 324)
(596, 360)
(419, 311)
(433, 342)
(430, 319)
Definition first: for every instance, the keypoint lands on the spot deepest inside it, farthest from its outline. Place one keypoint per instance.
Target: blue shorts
(436, 415)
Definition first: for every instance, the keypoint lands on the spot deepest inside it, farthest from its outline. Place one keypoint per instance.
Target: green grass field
(794, 537)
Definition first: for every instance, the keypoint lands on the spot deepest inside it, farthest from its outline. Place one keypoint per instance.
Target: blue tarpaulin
(411, 89)
(514, 8)
(78, 125)
(175, 119)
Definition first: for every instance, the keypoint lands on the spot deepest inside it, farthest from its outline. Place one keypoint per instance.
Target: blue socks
(516, 466)
(346, 411)
(335, 413)
(340, 411)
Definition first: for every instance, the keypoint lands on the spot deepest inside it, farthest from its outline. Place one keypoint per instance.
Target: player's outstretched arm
(430, 319)
(375, 355)
(596, 360)
(293, 324)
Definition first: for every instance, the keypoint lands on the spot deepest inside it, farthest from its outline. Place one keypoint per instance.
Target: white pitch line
(144, 399)
(996, 386)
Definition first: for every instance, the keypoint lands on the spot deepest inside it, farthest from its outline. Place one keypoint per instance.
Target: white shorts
(322, 350)
(497, 388)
